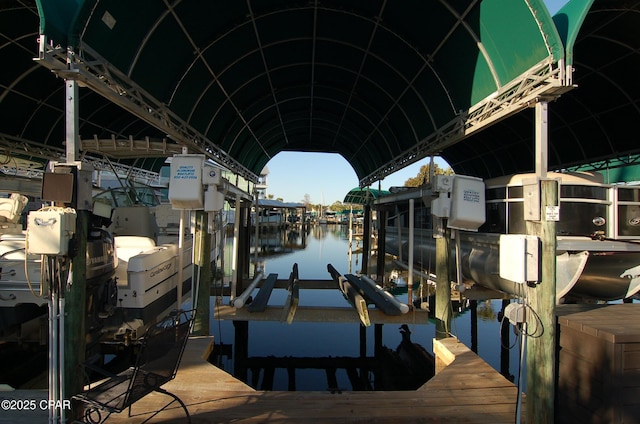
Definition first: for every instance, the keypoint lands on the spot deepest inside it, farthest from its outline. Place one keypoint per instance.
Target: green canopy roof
(384, 84)
(243, 81)
(363, 196)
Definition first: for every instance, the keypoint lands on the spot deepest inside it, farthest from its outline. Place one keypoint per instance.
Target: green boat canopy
(363, 196)
(383, 84)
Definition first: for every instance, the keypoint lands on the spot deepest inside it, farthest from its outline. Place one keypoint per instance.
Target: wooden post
(202, 264)
(505, 331)
(366, 239)
(382, 234)
(235, 275)
(244, 258)
(377, 353)
(241, 350)
(541, 299)
(256, 236)
(410, 253)
(443, 312)
(363, 341)
(473, 305)
(75, 304)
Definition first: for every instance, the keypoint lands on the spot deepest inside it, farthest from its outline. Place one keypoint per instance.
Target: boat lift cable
(523, 348)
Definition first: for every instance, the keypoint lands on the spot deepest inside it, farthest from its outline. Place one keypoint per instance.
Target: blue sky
(327, 178)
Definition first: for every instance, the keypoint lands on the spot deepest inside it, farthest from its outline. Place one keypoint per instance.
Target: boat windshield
(133, 194)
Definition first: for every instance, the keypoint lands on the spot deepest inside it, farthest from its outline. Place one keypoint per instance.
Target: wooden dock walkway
(465, 390)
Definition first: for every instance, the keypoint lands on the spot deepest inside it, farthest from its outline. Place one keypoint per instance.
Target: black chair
(157, 363)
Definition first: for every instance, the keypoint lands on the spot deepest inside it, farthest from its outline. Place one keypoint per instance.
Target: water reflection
(335, 356)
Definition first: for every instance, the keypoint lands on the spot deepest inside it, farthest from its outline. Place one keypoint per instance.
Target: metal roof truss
(542, 82)
(90, 70)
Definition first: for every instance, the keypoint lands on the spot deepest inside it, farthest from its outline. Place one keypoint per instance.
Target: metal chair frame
(157, 363)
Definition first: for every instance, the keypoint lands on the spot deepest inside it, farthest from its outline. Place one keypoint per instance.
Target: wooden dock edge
(446, 351)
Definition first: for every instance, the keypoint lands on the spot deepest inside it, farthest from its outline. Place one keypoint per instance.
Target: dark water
(329, 244)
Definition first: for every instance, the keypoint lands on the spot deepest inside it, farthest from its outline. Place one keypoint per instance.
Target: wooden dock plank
(616, 323)
(212, 395)
(468, 390)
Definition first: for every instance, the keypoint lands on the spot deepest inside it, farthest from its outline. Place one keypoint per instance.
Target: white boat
(148, 270)
(147, 283)
(131, 280)
(598, 257)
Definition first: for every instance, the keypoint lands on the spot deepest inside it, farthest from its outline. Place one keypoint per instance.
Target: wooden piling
(366, 239)
(75, 312)
(202, 264)
(383, 215)
(443, 312)
(241, 349)
(541, 299)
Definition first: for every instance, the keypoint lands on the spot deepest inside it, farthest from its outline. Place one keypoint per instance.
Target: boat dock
(465, 389)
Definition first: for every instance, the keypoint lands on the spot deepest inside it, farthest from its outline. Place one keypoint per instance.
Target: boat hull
(21, 297)
(147, 284)
(586, 269)
(128, 286)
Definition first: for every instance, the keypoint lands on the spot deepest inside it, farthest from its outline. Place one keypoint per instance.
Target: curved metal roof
(382, 83)
(595, 121)
(363, 196)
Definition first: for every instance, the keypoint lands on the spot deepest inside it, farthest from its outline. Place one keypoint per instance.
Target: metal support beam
(72, 120)
(542, 139)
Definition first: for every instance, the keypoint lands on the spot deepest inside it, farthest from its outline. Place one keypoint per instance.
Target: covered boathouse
(494, 87)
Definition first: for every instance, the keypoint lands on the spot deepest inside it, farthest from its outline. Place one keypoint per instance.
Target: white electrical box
(213, 199)
(185, 184)
(441, 206)
(467, 203)
(519, 258)
(443, 183)
(515, 313)
(49, 231)
(211, 175)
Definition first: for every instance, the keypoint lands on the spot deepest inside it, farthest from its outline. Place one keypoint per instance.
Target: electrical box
(443, 183)
(515, 313)
(467, 203)
(441, 206)
(185, 185)
(211, 175)
(69, 183)
(49, 231)
(213, 199)
(519, 258)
